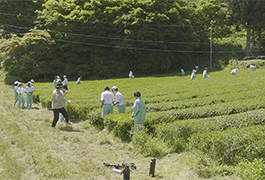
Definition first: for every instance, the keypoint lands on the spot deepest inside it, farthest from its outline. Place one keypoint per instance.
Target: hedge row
(228, 108)
(196, 102)
(231, 146)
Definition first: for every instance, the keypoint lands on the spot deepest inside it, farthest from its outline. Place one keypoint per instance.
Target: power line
(129, 48)
(120, 39)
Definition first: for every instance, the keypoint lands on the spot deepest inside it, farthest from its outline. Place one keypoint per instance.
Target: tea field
(221, 117)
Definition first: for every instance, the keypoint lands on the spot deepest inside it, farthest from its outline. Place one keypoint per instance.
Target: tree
(28, 57)
(245, 13)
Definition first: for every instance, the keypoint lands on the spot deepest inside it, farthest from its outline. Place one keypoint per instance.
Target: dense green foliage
(99, 39)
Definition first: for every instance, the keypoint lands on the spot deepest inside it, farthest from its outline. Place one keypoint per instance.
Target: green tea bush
(231, 146)
(251, 170)
(120, 125)
(144, 143)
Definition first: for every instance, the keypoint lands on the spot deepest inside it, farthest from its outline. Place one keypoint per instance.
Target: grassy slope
(31, 150)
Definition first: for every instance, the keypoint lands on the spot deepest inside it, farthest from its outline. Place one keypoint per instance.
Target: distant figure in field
(119, 100)
(197, 67)
(79, 80)
(107, 100)
(138, 110)
(193, 75)
(29, 91)
(252, 67)
(205, 73)
(182, 72)
(56, 80)
(131, 75)
(65, 80)
(21, 99)
(31, 82)
(57, 106)
(233, 72)
(15, 92)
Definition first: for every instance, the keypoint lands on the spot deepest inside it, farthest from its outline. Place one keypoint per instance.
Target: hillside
(31, 150)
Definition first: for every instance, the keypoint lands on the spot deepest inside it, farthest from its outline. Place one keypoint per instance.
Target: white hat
(64, 76)
(194, 70)
(114, 88)
(32, 81)
(16, 82)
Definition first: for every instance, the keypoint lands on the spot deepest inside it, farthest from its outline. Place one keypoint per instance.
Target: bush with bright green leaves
(232, 145)
(251, 170)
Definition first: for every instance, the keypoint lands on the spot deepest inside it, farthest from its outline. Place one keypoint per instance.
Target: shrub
(251, 170)
(231, 146)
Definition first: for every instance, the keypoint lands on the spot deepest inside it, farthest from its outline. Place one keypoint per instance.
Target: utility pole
(211, 44)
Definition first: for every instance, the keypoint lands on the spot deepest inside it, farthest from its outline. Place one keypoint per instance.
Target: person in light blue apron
(252, 67)
(29, 97)
(138, 110)
(233, 72)
(21, 99)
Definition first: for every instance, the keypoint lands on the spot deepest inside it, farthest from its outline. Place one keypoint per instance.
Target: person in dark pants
(57, 106)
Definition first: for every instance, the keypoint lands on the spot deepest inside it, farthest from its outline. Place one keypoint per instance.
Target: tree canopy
(109, 38)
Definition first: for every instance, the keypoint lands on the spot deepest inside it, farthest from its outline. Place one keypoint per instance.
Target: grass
(30, 149)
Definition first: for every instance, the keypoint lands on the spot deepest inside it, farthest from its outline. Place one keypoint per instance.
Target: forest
(108, 38)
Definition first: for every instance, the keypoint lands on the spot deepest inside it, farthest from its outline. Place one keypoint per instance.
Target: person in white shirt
(107, 100)
(79, 80)
(65, 80)
(21, 99)
(193, 75)
(130, 75)
(119, 100)
(29, 91)
(205, 73)
(233, 72)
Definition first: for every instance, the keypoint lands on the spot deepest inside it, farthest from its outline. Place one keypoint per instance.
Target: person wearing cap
(205, 73)
(57, 106)
(63, 91)
(119, 100)
(15, 92)
(233, 72)
(193, 75)
(138, 110)
(21, 99)
(79, 80)
(31, 82)
(107, 100)
(65, 80)
(29, 91)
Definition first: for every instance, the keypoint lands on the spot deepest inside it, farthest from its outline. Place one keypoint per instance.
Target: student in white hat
(65, 80)
(21, 99)
(15, 92)
(193, 75)
(29, 91)
(119, 100)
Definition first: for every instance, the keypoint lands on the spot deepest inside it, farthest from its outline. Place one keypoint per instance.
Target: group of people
(107, 103)
(19, 91)
(252, 67)
(204, 74)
